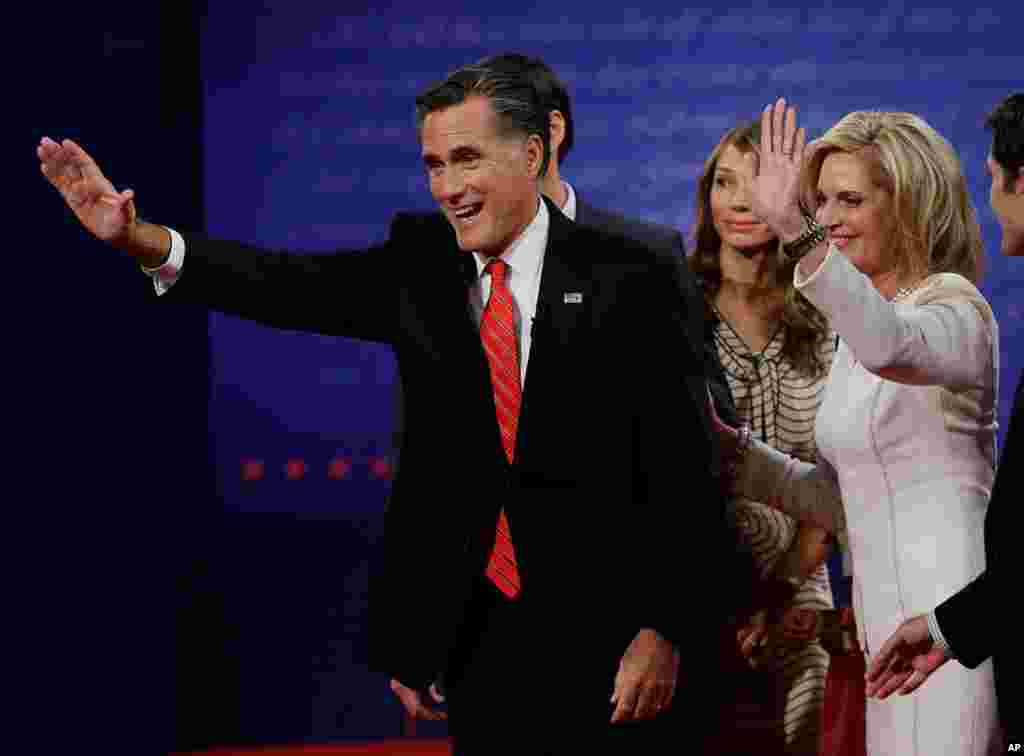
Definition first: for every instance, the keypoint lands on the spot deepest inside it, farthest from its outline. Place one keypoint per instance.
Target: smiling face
(748, 245)
(484, 182)
(1007, 200)
(734, 221)
(858, 212)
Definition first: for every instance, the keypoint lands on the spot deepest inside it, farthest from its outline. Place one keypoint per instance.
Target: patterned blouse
(780, 404)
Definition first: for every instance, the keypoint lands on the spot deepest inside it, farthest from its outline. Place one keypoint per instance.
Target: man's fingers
(431, 715)
(879, 664)
(419, 711)
(415, 708)
(627, 697)
(646, 703)
(914, 681)
(81, 160)
(412, 702)
(877, 684)
(670, 697)
(895, 673)
(885, 657)
(895, 682)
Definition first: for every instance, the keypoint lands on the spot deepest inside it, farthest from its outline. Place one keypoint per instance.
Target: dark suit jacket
(613, 459)
(978, 621)
(669, 241)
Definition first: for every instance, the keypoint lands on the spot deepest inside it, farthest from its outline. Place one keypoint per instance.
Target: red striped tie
(497, 331)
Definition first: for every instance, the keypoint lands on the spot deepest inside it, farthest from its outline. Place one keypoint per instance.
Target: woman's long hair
(805, 327)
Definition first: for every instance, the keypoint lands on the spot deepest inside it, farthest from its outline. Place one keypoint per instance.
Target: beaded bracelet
(745, 437)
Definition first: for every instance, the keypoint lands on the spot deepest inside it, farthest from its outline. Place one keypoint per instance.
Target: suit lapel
(457, 275)
(563, 300)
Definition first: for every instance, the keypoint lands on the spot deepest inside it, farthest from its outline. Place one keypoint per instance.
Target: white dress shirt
(525, 260)
(569, 208)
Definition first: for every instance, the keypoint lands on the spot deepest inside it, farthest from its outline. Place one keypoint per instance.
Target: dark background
(158, 600)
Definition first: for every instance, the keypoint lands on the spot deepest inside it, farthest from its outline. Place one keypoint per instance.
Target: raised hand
(105, 212)
(776, 191)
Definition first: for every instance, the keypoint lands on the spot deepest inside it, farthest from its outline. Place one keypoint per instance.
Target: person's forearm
(809, 551)
(148, 243)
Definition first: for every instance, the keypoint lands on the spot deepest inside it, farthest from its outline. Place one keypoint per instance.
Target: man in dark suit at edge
(542, 577)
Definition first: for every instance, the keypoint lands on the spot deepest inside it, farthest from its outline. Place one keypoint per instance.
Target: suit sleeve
(967, 624)
(684, 499)
(345, 293)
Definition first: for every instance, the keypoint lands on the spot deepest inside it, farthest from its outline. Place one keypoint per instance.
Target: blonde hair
(805, 328)
(937, 230)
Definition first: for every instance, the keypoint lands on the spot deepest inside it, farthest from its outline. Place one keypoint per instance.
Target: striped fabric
(780, 404)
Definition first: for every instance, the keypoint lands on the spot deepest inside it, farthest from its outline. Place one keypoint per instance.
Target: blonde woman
(906, 429)
(775, 349)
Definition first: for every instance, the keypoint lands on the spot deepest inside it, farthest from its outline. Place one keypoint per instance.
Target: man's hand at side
(646, 681)
(415, 705)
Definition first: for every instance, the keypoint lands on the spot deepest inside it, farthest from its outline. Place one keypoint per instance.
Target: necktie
(497, 332)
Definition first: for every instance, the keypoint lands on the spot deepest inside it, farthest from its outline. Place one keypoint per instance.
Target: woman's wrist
(743, 438)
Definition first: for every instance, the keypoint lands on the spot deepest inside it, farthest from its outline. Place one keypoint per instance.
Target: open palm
(905, 661)
(776, 189)
(103, 210)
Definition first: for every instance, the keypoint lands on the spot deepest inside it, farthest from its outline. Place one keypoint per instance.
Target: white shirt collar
(569, 208)
(525, 253)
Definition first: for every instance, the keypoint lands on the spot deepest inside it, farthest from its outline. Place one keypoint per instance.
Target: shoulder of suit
(610, 244)
(634, 227)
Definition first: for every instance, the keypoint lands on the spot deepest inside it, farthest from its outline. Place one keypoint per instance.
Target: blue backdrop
(309, 143)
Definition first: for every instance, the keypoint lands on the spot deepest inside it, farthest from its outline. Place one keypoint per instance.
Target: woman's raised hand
(776, 191)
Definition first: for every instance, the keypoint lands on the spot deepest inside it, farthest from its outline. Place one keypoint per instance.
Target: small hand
(752, 636)
(776, 191)
(905, 661)
(413, 702)
(800, 625)
(646, 681)
(104, 211)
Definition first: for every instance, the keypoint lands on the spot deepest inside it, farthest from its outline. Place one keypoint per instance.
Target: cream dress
(907, 467)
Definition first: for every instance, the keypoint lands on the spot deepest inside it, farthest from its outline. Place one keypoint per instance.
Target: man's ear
(556, 130)
(1018, 183)
(534, 156)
